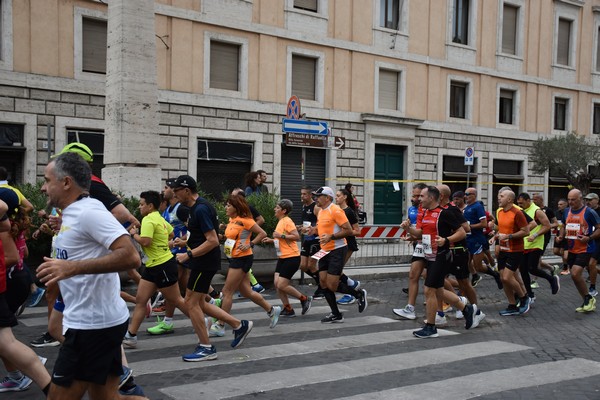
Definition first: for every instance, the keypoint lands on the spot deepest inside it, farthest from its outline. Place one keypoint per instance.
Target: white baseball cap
(324, 191)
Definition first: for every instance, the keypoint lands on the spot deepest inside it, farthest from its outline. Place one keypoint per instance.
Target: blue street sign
(303, 126)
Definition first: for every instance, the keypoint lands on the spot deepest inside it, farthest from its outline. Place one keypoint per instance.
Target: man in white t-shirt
(91, 248)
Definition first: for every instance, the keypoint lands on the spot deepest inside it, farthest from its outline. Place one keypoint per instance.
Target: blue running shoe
(346, 299)
(201, 353)
(241, 333)
(127, 372)
(135, 390)
(36, 297)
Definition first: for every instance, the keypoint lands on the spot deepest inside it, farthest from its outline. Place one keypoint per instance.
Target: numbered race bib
(319, 254)
(228, 248)
(426, 240)
(504, 245)
(573, 230)
(419, 251)
(277, 249)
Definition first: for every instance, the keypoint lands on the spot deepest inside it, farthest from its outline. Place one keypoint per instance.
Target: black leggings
(531, 265)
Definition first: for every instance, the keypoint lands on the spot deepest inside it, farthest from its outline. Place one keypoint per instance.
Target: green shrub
(40, 247)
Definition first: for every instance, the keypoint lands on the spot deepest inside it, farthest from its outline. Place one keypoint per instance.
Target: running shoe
(216, 330)
(15, 385)
(590, 305)
(593, 292)
(532, 299)
(405, 290)
(318, 294)
(36, 297)
(289, 313)
(218, 302)
(469, 312)
(333, 319)
(135, 390)
(556, 269)
(475, 279)
(201, 353)
(555, 284)
(439, 321)
(408, 312)
(241, 333)
(130, 341)
(161, 328)
(46, 340)
(258, 288)
(127, 372)
(535, 285)
(158, 300)
(524, 306)
(447, 307)
(159, 310)
(274, 316)
(20, 310)
(511, 310)
(356, 285)
(428, 331)
(498, 280)
(459, 314)
(346, 299)
(148, 309)
(306, 304)
(565, 272)
(362, 300)
(477, 318)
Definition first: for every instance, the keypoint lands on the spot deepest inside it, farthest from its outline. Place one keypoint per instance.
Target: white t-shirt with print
(91, 301)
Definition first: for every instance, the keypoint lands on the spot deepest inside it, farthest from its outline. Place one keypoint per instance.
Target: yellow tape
(476, 183)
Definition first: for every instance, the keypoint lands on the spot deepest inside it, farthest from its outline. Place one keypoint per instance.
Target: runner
(561, 247)
(345, 200)
(582, 228)
(284, 239)
(310, 243)
(538, 200)
(91, 248)
(592, 200)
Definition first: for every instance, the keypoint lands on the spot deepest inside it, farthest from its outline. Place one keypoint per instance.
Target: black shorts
(89, 355)
(438, 269)
(333, 263)
(7, 317)
(199, 281)
(310, 247)
(243, 263)
(287, 267)
(18, 287)
(531, 259)
(580, 259)
(352, 244)
(162, 275)
(460, 264)
(511, 261)
(564, 244)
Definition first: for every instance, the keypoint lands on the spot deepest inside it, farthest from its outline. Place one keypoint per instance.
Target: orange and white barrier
(381, 232)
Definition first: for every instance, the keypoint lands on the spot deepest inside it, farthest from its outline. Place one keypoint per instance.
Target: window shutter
(560, 114)
(458, 99)
(224, 65)
(598, 52)
(509, 29)
(564, 35)
(94, 45)
(388, 89)
(596, 125)
(303, 77)
(309, 5)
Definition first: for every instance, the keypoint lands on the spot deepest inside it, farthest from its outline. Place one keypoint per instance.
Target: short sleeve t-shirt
(101, 192)
(580, 223)
(238, 230)
(288, 248)
(179, 229)
(201, 221)
(155, 227)
(474, 213)
(436, 222)
(509, 222)
(91, 301)
(352, 219)
(329, 221)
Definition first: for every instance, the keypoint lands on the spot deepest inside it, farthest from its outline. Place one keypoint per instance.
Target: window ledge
(511, 127)
(578, 3)
(391, 31)
(461, 46)
(566, 67)
(462, 121)
(510, 56)
(308, 13)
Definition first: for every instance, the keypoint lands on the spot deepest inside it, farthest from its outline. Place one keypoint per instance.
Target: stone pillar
(131, 144)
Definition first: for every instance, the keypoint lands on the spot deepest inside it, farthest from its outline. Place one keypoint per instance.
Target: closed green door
(389, 166)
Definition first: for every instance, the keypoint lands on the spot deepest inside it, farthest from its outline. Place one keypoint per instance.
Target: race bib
(277, 249)
(319, 254)
(228, 248)
(426, 240)
(504, 245)
(419, 251)
(573, 230)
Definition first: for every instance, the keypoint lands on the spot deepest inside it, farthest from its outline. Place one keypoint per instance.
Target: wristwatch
(189, 253)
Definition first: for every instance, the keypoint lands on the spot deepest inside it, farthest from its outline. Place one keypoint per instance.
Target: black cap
(185, 181)
(170, 183)
(11, 199)
(459, 194)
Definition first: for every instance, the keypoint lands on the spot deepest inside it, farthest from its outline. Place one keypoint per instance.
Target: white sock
(15, 375)
(350, 282)
(168, 320)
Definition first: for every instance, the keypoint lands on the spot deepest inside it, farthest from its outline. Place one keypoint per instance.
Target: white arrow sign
(304, 126)
(339, 142)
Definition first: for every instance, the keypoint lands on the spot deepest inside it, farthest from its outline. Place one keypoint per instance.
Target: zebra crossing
(366, 357)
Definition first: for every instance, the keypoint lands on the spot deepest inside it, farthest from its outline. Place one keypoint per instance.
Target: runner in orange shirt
(332, 227)
(285, 240)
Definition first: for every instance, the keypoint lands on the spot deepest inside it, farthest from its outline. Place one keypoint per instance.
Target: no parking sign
(469, 156)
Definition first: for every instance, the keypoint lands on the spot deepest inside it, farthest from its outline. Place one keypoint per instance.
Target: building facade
(408, 85)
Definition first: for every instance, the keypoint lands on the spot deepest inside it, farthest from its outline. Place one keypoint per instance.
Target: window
(308, 5)
(389, 88)
(506, 104)
(223, 165)
(455, 173)
(93, 140)
(12, 150)
(598, 51)
(560, 113)
(460, 24)
(596, 120)
(11, 135)
(563, 42)
(94, 45)
(506, 173)
(224, 65)
(458, 99)
(509, 29)
(390, 14)
(304, 77)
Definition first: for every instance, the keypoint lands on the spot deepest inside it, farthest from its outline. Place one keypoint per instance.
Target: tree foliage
(571, 156)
